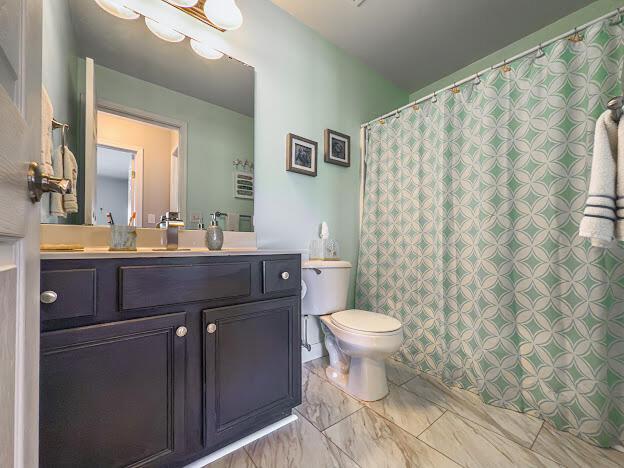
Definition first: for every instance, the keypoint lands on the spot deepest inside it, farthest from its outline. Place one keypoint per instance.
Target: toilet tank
(326, 286)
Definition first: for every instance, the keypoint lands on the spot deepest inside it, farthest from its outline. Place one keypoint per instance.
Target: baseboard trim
(207, 460)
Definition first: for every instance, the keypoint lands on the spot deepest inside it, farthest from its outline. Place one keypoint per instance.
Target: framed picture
(337, 148)
(301, 155)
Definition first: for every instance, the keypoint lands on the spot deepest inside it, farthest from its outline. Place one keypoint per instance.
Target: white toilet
(358, 341)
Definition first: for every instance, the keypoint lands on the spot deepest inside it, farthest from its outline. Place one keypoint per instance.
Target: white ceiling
(416, 42)
(129, 47)
(113, 162)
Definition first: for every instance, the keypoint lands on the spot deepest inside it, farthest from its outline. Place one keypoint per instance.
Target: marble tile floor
(421, 423)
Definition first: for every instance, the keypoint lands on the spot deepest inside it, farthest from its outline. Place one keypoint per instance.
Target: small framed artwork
(337, 148)
(301, 155)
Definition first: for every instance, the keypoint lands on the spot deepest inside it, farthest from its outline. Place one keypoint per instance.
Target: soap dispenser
(214, 234)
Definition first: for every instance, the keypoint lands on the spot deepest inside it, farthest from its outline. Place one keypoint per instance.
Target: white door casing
(20, 140)
(90, 138)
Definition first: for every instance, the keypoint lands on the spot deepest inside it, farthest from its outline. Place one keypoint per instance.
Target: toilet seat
(363, 322)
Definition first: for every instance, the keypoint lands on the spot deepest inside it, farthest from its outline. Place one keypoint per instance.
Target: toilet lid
(365, 321)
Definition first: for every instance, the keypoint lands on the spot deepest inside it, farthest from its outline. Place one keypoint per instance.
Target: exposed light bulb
(164, 32)
(184, 3)
(116, 8)
(205, 50)
(224, 13)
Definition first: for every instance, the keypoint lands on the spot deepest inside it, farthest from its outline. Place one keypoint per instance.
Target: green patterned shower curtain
(470, 237)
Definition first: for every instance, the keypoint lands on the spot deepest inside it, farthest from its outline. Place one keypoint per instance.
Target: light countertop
(103, 252)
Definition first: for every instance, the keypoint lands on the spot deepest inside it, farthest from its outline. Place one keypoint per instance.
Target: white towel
(47, 114)
(233, 222)
(619, 184)
(56, 199)
(598, 223)
(70, 171)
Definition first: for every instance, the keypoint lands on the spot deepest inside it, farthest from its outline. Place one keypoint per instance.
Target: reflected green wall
(60, 78)
(565, 24)
(216, 136)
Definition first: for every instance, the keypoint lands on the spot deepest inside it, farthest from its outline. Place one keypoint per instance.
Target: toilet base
(367, 379)
(362, 377)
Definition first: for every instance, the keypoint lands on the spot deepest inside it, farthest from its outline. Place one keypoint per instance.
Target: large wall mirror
(153, 127)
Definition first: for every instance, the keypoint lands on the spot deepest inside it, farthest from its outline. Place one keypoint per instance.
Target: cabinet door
(252, 361)
(112, 395)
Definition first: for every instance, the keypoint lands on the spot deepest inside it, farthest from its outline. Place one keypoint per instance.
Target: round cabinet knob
(211, 328)
(48, 297)
(181, 331)
(285, 275)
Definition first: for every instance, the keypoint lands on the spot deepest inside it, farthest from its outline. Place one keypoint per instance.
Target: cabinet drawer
(75, 291)
(281, 275)
(150, 286)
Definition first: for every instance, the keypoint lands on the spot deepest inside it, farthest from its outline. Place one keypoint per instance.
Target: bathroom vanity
(161, 360)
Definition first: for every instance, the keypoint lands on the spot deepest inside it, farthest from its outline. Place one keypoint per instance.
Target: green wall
(216, 136)
(578, 18)
(304, 85)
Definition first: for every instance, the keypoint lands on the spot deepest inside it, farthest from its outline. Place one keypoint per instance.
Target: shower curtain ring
(540, 52)
(576, 36)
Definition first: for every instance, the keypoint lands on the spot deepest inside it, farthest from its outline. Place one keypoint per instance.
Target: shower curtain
(469, 236)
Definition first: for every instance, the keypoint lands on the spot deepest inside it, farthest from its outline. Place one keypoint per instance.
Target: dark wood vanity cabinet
(250, 359)
(113, 394)
(139, 370)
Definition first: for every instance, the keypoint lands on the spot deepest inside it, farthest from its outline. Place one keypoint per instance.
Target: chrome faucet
(172, 223)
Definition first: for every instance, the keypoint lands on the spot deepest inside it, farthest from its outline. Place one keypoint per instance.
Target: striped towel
(598, 223)
(619, 185)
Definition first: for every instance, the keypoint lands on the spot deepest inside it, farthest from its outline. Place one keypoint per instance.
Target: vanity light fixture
(164, 20)
(164, 32)
(116, 8)
(184, 3)
(204, 50)
(224, 13)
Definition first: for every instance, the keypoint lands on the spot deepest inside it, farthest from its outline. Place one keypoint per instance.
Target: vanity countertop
(103, 252)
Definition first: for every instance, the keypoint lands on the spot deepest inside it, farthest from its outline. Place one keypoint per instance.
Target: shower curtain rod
(498, 65)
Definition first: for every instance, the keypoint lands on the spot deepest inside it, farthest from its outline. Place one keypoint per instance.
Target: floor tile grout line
(448, 410)
(500, 435)
(253, 462)
(417, 437)
(340, 450)
(476, 422)
(537, 435)
(445, 408)
(325, 436)
(440, 451)
(429, 426)
(342, 419)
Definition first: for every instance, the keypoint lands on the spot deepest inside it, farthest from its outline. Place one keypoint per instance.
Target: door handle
(211, 328)
(39, 183)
